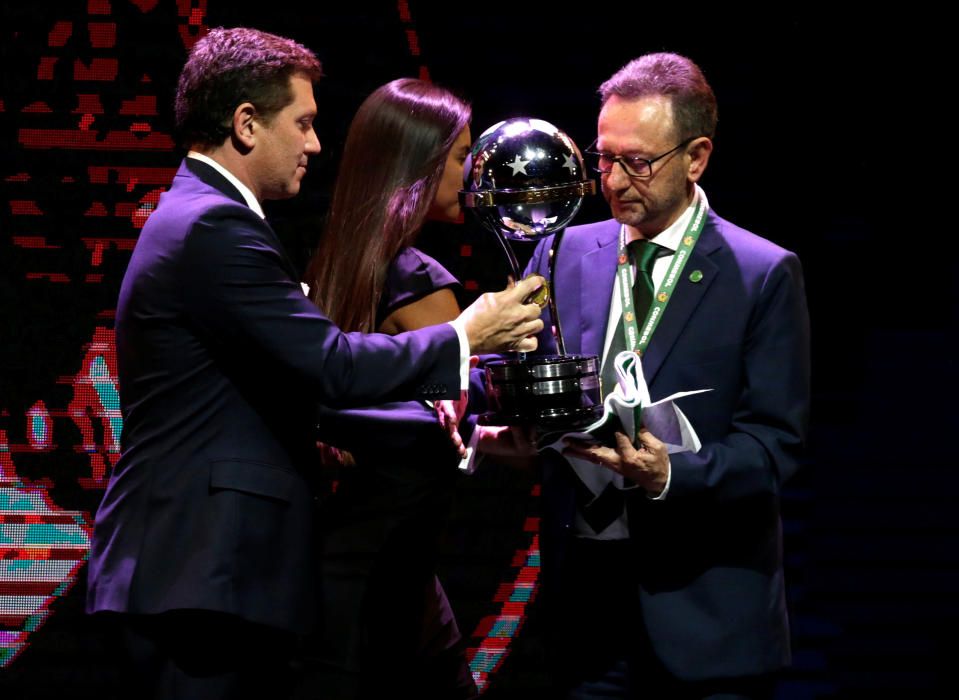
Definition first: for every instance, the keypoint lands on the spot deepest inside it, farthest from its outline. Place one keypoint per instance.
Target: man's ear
(243, 130)
(698, 153)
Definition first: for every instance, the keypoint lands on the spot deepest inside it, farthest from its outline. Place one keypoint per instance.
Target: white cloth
(663, 418)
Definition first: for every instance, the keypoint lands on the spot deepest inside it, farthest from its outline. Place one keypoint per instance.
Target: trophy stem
(513, 262)
(557, 328)
(514, 265)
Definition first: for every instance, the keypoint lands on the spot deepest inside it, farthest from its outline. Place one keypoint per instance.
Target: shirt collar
(251, 201)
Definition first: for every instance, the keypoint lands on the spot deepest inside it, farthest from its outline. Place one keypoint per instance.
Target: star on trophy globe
(525, 180)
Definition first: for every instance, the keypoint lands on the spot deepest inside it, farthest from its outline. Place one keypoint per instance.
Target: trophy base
(551, 393)
(547, 420)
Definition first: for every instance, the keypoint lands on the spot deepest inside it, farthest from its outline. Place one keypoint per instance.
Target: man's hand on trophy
(539, 296)
(501, 321)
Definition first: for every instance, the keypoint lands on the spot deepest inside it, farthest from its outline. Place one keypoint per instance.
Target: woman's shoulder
(415, 266)
(412, 275)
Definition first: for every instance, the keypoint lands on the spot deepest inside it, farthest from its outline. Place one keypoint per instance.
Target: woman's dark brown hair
(392, 164)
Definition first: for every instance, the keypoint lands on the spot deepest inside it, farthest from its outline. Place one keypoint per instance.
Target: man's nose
(312, 144)
(617, 178)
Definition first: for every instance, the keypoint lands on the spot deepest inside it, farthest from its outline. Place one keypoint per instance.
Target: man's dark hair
(672, 76)
(228, 67)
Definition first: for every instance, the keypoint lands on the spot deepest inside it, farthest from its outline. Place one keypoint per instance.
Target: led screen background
(86, 154)
(86, 148)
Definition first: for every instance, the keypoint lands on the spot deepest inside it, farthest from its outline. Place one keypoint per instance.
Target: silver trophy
(525, 180)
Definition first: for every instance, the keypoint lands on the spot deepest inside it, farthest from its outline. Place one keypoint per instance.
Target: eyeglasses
(633, 165)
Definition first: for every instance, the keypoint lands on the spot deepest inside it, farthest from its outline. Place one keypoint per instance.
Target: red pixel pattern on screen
(91, 162)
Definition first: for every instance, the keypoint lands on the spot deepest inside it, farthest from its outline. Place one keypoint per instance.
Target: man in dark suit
(663, 574)
(202, 544)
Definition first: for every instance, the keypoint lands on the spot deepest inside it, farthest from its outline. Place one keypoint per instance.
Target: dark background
(828, 131)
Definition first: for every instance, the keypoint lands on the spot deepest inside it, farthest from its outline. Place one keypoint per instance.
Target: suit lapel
(685, 299)
(192, 167)
(209, 176)
(597, 274)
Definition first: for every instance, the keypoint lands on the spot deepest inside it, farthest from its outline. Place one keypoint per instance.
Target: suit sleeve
(244, 301)
(769, 423)
(396, 426)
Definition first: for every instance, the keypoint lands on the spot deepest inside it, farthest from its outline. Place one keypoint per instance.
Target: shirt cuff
(669, 478)
(464, 353)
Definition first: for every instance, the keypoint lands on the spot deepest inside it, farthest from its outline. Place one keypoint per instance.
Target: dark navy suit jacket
(710, 554)
(222, 360)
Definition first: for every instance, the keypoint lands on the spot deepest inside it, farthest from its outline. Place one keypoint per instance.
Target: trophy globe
(525, 180)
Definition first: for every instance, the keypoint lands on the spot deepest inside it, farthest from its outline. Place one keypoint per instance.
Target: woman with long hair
(385, 622)
(402, 163)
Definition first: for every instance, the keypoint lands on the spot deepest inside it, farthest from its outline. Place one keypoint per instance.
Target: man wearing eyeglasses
(663, 572)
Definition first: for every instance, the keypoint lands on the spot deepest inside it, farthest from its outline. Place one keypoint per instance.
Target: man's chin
(290, 192)
(628, 210)
(630, 218)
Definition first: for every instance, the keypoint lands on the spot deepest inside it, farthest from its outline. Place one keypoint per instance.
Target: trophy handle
(557, 328)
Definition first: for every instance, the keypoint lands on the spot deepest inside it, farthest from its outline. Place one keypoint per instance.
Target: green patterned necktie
(644, 254)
